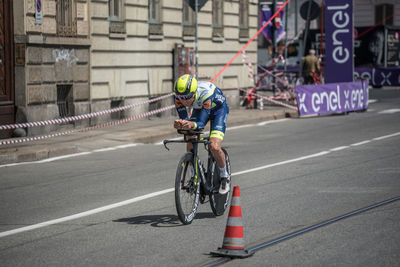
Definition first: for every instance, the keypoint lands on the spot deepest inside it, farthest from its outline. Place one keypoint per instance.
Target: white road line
(281, 163)
(69, 155)
(240, 126)
(338, 148)
(86, 213)
(114, 148)
(386, 136)
(389, 111)
(165, 191)
(361, 143)
(270, 122)
(63, 157)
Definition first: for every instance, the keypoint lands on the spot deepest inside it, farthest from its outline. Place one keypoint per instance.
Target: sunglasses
(185, 97)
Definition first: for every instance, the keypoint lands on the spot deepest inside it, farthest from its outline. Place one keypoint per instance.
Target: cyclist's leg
(218, 127)
(217, 135)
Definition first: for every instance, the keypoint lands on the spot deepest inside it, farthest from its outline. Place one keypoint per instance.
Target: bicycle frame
(198, 166)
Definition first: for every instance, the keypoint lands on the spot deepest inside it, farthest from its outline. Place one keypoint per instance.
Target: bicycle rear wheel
(219, 202)
(187, 190)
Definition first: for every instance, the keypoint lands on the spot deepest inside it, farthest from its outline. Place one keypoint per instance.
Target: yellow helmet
(186, 86)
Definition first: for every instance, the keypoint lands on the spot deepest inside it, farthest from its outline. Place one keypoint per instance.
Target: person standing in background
(310, 67)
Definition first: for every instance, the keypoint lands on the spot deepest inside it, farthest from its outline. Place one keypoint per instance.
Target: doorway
(7, 104)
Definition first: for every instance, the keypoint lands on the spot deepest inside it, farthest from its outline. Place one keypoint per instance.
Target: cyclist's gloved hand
(187, 125)
(184, 125)
(178, 124)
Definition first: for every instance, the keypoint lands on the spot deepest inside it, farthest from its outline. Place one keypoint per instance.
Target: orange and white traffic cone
(233, 244)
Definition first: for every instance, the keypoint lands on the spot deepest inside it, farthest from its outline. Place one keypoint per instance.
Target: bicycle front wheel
(187, 189)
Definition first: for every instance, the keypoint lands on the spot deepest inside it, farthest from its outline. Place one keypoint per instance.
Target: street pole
(273, 45)
(286, 35)
(197, 39)
(296, 16)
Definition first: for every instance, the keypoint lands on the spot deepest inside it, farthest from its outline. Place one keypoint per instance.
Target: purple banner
(339, 63)
(332, 98)
(380, 76)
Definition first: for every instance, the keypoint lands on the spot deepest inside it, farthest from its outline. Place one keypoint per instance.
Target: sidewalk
(139, 131)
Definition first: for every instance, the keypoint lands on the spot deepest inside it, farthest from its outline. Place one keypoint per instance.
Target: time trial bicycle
(194, 181)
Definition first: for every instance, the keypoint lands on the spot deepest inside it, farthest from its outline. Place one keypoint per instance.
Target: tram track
(307, 229)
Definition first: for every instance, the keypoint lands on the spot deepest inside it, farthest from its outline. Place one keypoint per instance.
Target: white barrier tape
(280, 80)
(246, 62)
(136, 117)
(272, 100)
(78, 117)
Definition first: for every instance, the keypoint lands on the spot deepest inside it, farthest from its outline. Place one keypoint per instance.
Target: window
(384, 14)
(117, 23)
(155, 20)
(243, 19)
(218, 19)
(66, 17)
(188, 20)
(64, 100)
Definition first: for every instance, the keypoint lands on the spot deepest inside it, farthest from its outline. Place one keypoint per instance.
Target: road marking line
(270, 122)
(361, 143)
(162, 192)
(63, 157)
(69, 155)
(389, 111)
(240, 126)
(281, 163)
(86, 213)
(114, 148)
(339, 148)
(386, 136)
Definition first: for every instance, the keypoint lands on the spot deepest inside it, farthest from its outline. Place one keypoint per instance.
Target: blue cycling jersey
(209, 104)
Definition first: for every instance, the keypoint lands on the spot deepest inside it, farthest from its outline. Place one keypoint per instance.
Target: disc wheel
(187, 190)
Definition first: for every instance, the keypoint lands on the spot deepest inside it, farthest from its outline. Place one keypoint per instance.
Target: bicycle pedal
(202, 199)
(214, 189)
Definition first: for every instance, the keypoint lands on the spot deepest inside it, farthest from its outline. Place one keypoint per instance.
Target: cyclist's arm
(200, 116)
(181, 109)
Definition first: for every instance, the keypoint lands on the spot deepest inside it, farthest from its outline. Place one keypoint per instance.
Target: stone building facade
(52, 47)
(74, 57)
(133, 44)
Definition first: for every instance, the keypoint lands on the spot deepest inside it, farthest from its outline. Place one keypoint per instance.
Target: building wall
(135, 66)
(50, 61)
(364, 12)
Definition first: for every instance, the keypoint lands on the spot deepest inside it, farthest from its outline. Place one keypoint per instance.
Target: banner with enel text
(339, 61)
(332, 98)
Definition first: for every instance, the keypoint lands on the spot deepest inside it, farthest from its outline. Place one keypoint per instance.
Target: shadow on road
(165, 220)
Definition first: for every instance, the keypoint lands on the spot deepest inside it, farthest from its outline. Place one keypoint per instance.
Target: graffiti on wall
(65, 54)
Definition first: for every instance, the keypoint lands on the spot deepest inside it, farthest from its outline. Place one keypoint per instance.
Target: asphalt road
(292, 174)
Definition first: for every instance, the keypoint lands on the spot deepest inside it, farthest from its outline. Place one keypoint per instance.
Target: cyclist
(209, 103)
